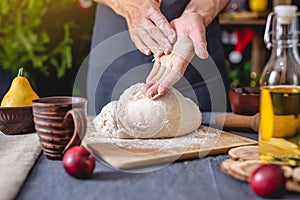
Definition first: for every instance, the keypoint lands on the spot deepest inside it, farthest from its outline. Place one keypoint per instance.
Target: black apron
(115, 63)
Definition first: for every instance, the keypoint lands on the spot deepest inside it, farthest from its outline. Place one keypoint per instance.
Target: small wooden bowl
(245, 100)
(16, 120)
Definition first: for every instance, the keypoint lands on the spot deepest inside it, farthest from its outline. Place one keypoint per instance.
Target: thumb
(199, 42)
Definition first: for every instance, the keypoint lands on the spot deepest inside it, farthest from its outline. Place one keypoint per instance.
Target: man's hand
(168, 69)
(148, 27)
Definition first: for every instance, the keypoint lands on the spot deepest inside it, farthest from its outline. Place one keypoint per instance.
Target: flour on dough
(136, 116)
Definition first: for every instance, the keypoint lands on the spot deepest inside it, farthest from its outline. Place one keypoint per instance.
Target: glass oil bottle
(279, 132)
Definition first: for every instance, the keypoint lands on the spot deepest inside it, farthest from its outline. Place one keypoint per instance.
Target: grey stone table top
(189, 179)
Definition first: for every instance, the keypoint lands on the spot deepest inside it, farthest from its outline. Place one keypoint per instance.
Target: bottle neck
(280, 50)
(285, 34)
(282, 67)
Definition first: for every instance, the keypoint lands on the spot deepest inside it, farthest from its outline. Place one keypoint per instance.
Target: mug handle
(80, 125)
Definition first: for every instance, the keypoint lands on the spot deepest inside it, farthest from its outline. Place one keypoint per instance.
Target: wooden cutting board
(139, 153)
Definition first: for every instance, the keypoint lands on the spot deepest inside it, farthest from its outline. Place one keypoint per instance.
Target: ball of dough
(136, 116)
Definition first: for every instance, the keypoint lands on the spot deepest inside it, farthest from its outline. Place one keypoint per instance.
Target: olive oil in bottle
(280, 127)
(279, 132)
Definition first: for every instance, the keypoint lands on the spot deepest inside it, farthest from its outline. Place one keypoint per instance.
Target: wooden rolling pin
(238, 121)
(284, 125)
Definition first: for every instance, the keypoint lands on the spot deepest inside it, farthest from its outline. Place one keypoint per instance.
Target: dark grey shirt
(115, 63)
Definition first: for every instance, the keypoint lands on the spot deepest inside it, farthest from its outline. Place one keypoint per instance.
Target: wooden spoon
(238, 121)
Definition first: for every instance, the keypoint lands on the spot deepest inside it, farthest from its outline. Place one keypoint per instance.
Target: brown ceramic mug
(60, 122)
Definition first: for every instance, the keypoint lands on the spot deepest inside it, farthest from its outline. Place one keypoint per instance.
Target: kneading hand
(148, 27)
(168, 69)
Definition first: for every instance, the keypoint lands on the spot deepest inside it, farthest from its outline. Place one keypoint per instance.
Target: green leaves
(26, 40)
(64, 51)
(240, 76)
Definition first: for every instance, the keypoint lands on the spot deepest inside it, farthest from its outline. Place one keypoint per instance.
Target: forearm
(113, 4)
(121, 6)
(208, 9)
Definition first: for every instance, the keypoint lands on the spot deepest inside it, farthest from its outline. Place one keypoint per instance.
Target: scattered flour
(202, 138)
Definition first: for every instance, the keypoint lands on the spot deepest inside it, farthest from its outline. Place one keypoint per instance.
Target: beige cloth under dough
(18, 154)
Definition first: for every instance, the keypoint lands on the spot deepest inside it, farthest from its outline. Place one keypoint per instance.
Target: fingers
(151, 39)
(140, 44)
(158, 75)
(154, 71)
(166, 81)
(153, 79)
(152, 92)
(192, 25)
(199, 42)
(145, 43)
(162, 42)
(153, 34)
(162, 23)
(163, 76)
(148, 27)
(150, 42)
(169, 69)
(170, 78)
